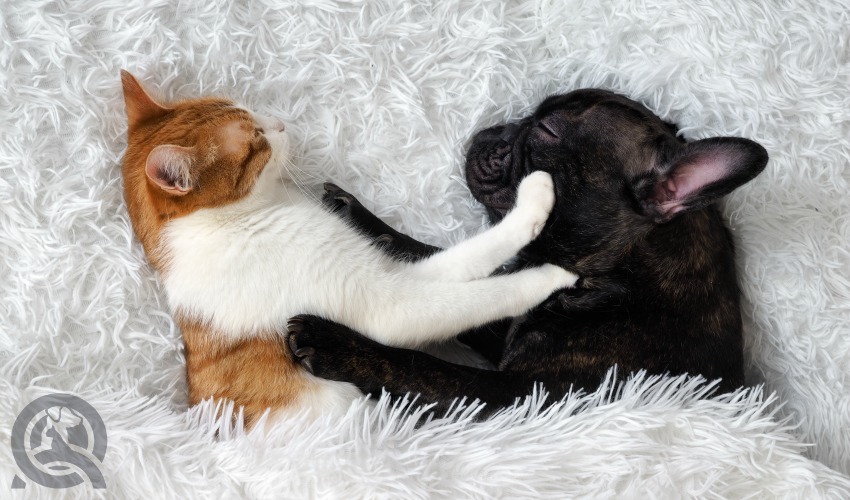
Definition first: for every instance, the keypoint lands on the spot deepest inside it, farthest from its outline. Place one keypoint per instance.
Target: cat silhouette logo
(58, 441)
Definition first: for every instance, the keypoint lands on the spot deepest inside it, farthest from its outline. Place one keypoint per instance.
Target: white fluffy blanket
(381, 96)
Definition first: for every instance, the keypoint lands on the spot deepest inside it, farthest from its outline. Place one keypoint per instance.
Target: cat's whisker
(305, 186)
(292, 171)
(283, 173)
(309, 175)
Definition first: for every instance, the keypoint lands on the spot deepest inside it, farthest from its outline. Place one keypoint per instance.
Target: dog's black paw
(339, 200)
(307, 338)
(344, 204)
(392, 242)
(330, 350)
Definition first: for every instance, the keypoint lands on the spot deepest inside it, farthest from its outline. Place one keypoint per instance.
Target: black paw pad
(298, 338)
(337, 198)
(384, 240)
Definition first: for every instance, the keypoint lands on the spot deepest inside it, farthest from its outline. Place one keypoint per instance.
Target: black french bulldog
(634, 217)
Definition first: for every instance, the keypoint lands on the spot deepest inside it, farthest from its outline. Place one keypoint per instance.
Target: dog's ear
(699, 173)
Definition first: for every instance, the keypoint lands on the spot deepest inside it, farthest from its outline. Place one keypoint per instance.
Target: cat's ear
(700, 173)
(140, 105)
(170, 168)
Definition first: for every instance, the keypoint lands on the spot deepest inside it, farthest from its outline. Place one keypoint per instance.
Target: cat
(240, 249)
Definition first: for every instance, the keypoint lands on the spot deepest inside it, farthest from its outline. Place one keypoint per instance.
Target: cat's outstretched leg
(450, 292)
(472, 259)
(415, 311)
(480, 255)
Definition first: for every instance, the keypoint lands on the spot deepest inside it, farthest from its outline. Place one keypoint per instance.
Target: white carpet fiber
(381, 97)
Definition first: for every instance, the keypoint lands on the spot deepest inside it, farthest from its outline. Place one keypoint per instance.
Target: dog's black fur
(634, 217)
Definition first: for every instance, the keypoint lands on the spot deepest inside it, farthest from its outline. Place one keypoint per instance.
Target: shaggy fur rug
(381, 96)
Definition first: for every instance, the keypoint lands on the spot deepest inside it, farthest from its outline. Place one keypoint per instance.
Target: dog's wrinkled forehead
(590, 134)
(600, 120)
(589, 104)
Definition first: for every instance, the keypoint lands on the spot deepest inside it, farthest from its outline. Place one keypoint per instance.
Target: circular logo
(57, 440)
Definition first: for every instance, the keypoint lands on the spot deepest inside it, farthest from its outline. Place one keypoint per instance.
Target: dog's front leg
(335, 352)
(392, 242)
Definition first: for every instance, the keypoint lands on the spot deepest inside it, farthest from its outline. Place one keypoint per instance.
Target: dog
(635, 217)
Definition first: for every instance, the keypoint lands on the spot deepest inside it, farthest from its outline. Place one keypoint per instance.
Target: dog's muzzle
(492, 170)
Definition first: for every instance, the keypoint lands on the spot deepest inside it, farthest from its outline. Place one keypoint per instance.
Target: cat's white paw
(535, 199)
(560, 277)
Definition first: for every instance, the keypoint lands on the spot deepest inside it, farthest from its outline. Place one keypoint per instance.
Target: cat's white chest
(246, 271)
(238, 272)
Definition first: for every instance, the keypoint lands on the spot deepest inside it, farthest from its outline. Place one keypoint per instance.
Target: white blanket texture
(382, 96)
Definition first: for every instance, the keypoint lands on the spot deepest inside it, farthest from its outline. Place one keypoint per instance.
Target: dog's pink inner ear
(688, 177)
(702, 172)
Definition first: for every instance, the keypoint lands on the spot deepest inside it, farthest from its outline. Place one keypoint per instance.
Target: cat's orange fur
(256, 373)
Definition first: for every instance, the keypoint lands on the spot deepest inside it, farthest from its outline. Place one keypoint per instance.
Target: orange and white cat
(240, 249)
